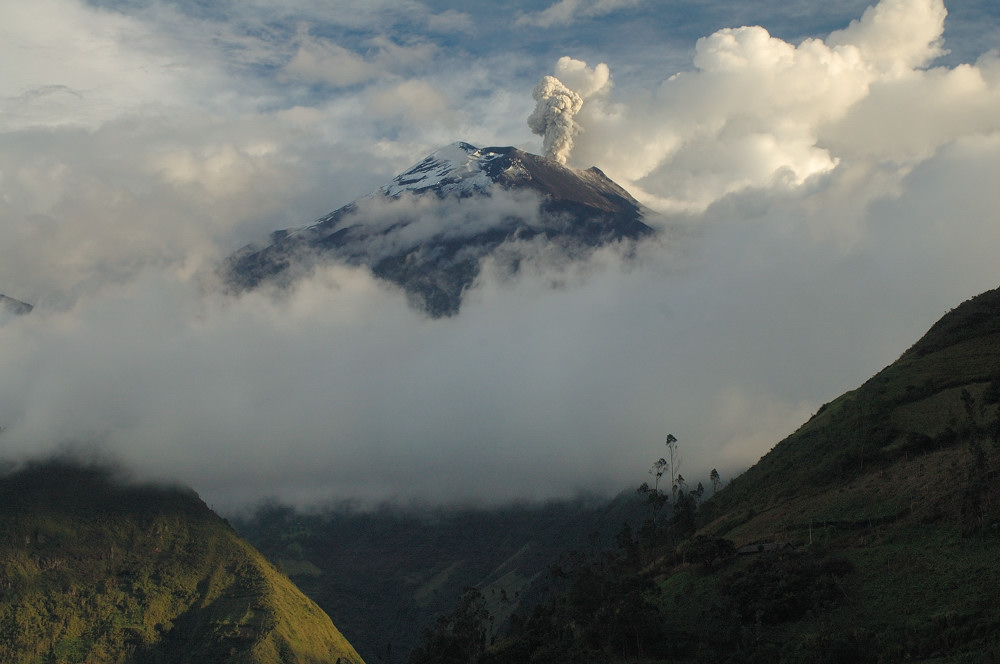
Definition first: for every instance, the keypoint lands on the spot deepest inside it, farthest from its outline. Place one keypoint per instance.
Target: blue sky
(826, 180)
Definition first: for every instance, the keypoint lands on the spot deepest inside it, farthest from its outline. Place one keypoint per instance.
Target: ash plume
(552, 118)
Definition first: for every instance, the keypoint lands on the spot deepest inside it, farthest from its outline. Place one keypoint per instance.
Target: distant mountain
(428, 230)
(94, 570)
(10, 305)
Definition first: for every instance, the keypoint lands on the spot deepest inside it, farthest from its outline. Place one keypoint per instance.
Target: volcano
(429, 229)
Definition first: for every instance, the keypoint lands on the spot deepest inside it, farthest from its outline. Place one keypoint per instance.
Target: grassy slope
(890, 415)
(897, 478)
(95, 571)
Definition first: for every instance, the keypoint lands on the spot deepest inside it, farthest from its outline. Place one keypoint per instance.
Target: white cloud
(758, 112)
(896, 36)
(746, 421)
(561, 13)
(64, 63)
(319, 60)
(585, 81)
(407, 221)
(827, 190)
(415, 100)
(906, 119)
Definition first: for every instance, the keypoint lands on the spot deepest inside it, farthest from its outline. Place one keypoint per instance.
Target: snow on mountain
(459, 167)
(430, 227)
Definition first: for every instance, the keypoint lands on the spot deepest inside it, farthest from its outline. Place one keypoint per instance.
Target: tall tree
(675, 463)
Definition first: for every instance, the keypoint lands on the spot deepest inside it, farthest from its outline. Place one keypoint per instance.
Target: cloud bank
(758, 112)
(826, 201)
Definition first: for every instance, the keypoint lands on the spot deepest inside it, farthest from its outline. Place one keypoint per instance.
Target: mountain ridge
(428, 230)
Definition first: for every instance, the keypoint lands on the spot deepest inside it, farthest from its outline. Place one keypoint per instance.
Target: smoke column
(552, 118)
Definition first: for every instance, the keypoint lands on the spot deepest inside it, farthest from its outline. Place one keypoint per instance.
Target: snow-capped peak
(434, 251)
(458, 167)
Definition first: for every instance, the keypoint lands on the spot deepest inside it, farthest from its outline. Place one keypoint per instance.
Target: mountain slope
(942, 390)
(870, 535)
(888, 502)
(897, 485)
(429, 229)
(93, 570)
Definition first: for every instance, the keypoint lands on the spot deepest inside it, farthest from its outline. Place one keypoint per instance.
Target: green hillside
(96, 570)
(872, 534)
(897, 481)
(941, 391)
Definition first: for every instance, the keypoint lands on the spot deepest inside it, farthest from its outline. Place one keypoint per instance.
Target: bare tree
(675, 463)
(654, 496)
(657, 469)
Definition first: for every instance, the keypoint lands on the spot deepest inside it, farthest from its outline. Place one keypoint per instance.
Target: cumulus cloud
(404, 222)
(895, 36)
(318, 60)
(759, 112)
(585, 81)
(81, 209)
(416, 100)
